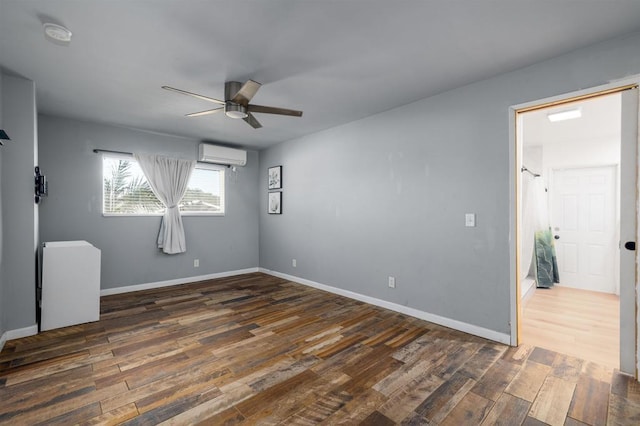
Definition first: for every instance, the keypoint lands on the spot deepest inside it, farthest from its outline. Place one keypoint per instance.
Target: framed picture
(275, 177)
(275, 203)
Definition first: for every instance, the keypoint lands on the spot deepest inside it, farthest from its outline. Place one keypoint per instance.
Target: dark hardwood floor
(255, 349)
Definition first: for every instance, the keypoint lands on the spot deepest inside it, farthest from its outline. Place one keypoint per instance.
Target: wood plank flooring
(584, 324)
(255, 349)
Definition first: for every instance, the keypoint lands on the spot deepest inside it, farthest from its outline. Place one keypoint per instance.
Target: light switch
(470, 220)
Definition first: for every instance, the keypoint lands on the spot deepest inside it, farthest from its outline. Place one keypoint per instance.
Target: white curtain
(168, 178)
(535, 217)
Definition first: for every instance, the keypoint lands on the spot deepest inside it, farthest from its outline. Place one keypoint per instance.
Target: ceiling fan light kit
(236, 111)
(57, 33)
(236, 103)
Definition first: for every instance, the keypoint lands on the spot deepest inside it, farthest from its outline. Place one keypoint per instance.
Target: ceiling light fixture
(233, 110)
(567, 114)
(57, 33)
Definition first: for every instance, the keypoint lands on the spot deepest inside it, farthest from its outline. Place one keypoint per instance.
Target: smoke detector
(57, 33)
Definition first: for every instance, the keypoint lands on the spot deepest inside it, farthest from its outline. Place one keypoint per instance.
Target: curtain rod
(130, 154)
(524, 169)
(108, 151)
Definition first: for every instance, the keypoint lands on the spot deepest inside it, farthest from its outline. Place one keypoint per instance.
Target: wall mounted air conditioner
(222, 155)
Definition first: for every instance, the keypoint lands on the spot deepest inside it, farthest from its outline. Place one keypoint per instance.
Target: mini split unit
(221, 155)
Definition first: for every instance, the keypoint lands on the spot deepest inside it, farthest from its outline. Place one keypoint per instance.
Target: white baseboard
(32, 330)
(177, 281)
(528, 288)
(437, 319)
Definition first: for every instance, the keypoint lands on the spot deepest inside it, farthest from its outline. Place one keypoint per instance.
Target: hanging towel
(546, 263)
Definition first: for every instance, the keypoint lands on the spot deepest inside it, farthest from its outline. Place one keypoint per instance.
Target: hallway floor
(584, 324)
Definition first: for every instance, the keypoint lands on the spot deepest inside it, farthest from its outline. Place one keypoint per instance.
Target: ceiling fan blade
(195, 95)
(252, 121)
(207, 112)
(246, 92)
(274, 110)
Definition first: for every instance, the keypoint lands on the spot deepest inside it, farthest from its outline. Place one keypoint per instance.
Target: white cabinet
(70, 284)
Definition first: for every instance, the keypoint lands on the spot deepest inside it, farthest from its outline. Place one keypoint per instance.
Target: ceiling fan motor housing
(232, 109)
(231, 88)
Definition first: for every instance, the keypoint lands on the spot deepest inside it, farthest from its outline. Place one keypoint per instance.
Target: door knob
(556, 237)
(630, 245)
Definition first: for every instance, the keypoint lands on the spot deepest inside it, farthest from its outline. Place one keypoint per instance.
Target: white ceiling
(336, 60)
(600, 121)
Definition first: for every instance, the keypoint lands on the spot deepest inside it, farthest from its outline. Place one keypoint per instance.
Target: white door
(583, 220)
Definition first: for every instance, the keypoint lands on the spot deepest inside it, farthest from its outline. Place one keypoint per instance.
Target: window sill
(185, 214)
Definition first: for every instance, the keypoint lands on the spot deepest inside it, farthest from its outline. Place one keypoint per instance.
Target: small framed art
(275, 203)
(275, 177)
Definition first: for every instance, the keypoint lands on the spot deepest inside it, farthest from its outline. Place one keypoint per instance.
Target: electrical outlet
(196, 263)
(294, 263)
(392, 282)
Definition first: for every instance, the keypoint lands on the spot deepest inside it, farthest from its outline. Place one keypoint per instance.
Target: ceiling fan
(236, 103)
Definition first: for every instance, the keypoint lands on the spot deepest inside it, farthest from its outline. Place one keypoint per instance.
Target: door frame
(515, 162)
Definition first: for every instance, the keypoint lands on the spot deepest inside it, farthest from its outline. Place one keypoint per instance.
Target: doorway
(578, 162)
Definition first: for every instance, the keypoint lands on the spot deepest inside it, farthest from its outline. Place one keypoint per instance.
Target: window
(126, 192)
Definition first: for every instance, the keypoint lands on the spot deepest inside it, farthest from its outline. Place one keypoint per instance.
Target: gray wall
(72, 211)
(387, 195)
(19, 212)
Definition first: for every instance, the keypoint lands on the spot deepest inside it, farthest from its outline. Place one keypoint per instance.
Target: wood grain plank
(530, 421)
(440, 403)
(198, 373)
(44, 370)
(528, 381)
(411, 334)
(116, 416)
(409, 353)
(496, 379)
(590, 401)
(596, 371)
(552, 404)
(542, 356)
(76, 416)
(377, 419)
(326, 405)
(401, 377)
(507, 410)
(518, 354)
(13, 396)
(471, 409)
(623, 411)
(212, 407)
(55, 408)
(484, 358)
(295, 402)
(229, 417)
(567, 367)
(573, 422)
(356, 409)
(254, 404)
(408, 398)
